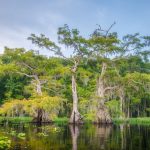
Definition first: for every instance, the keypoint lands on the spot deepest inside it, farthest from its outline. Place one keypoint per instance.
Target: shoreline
(64, 120)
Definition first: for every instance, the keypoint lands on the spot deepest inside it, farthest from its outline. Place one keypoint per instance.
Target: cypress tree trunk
(102, 115)
(75, 117)
(121, 96)
(128, 111)
(38, 85)
(138, 112)
(39, 118)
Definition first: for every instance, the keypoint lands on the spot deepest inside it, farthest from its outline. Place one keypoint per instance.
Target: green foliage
(21, 136)
(114, 108)
(4, 143)
(41, 134)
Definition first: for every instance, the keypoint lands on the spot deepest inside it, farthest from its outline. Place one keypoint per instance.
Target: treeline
(105, 77)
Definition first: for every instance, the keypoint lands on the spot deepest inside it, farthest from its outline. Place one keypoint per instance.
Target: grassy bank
(62, 120)
(143, 120)
(29, 120)
(65, 120)
(15, 119)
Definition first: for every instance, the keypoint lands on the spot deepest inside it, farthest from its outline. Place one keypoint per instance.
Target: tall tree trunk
(75, 117)
(138, 111)
(38, 85)
(128, 111)
(102, 115)
(121, 95)
(40, 112)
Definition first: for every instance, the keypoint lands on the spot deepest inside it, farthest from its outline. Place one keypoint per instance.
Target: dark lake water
(84, 137)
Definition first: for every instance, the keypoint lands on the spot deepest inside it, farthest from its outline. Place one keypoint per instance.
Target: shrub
(45, 107)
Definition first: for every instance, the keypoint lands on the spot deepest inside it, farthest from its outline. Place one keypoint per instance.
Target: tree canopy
(104, 77)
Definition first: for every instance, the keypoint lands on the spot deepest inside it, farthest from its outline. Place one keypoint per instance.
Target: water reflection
(85, 137)
(74, 130)
(103, 132)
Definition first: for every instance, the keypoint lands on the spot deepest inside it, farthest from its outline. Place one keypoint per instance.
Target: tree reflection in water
(85, 137)
(103, 132)
(74, 129)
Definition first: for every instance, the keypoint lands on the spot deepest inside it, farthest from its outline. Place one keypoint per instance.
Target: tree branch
(110, 88)
(26, 65)
(30, 76)
(107, 31)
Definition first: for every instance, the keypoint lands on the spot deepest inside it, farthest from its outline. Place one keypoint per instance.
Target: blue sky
(20, 18)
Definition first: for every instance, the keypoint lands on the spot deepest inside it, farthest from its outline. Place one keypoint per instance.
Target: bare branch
(110, 88)
(48, 89)
(30, 76)
(26, 65)
(43, 81)
(107, 31)
(135, 81)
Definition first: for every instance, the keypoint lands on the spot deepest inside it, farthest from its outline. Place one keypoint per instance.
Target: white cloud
(16, 36)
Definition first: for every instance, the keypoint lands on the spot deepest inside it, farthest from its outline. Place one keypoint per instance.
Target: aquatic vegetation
(51, 129)
(21, 136)
(18, 135)
(56, 129)
(98, 137)
(13, 133)
(4, 143)
(42, 134)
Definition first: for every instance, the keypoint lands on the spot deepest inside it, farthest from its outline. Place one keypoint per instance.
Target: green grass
(15, 119)
(65, 120)
(143, 120)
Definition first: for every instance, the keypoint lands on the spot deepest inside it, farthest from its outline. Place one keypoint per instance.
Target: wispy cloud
(18, 19)
(16, 36)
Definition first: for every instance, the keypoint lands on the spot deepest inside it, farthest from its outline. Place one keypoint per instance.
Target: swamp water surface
(84, 137)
